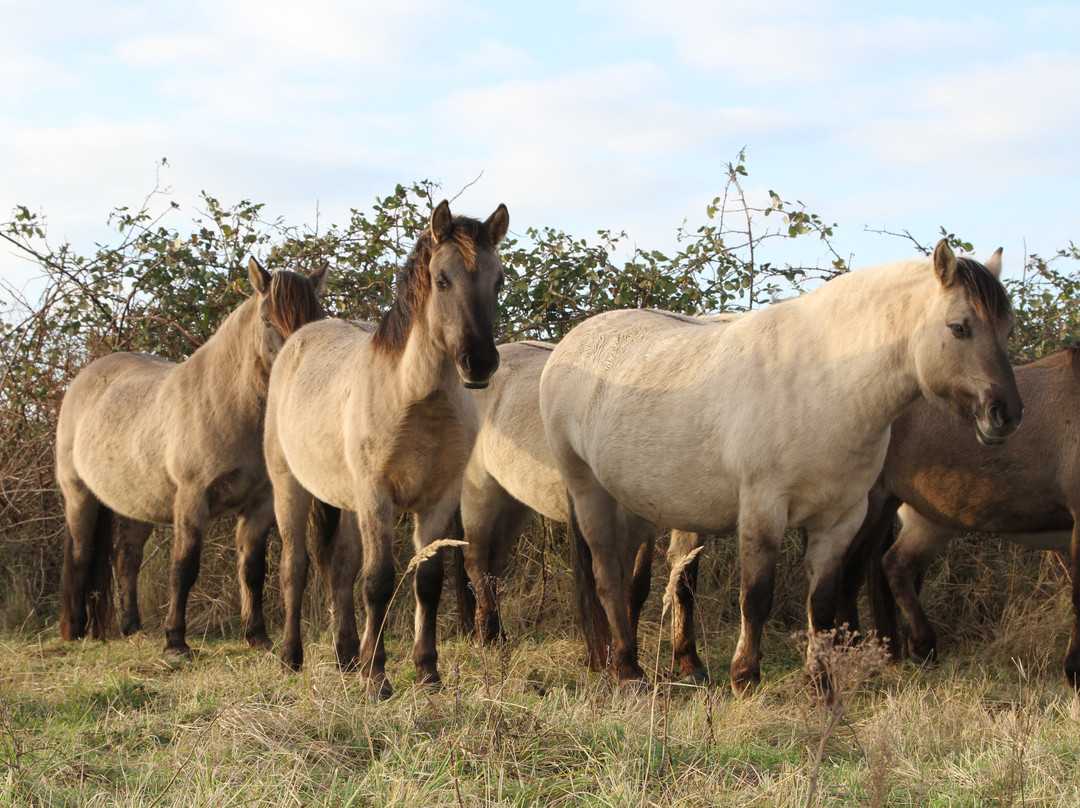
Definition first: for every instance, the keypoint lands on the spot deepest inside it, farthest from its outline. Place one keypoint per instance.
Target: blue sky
(617, 114)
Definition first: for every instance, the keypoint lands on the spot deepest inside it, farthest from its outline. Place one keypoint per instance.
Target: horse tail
(323, 521)
(93, 599)
(594, 623)
(466, 597)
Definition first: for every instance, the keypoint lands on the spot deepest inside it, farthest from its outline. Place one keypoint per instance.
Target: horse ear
(944, 263)
(318, 278)
(260, 278)
(993, 263)
(441, 222)
(497, 224)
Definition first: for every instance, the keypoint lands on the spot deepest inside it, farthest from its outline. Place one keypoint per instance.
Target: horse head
(285, 302)
(466, 276)
(961, 355)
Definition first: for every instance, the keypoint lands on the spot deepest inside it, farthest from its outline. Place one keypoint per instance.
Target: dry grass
(522, 723)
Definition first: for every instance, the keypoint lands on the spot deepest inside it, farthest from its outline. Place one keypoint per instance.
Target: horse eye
(441, 282)
(958, 330)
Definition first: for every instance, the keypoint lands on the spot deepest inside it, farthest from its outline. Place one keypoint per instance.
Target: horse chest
(427, 455)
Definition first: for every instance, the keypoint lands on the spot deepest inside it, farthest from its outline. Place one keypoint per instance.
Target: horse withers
(378, 421)
(779, 418)
(942, 483)
(141, 441)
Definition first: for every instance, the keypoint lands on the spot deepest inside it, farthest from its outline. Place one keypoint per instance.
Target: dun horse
(141, 441)
(1028, 490)
(510, 475)
(376, 421)
(780, 418)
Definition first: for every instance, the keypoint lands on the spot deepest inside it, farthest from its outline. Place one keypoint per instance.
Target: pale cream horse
(141, 441)
(378, 422)
(511, 474)
(778, 419)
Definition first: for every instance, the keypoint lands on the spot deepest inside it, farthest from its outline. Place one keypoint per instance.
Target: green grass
(114, 724)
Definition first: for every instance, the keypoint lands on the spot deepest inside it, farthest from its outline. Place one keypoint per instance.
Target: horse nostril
(996, 416)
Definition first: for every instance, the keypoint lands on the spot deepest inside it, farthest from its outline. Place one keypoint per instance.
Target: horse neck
(227, 367)
(866, 322)
(423, 367)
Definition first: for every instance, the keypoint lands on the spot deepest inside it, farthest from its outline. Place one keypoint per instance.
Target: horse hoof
(178, 652)
(292, 662)
(698, 678)
(745, 684)
(379, 690)
(128, 629)
(927, 660)
(261, 643)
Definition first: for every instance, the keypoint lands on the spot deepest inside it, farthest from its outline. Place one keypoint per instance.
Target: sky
(599, 114)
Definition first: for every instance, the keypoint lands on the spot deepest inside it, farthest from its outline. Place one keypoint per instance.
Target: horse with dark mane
(141, 441)
(377, 421)
(943, 483)
(778, 419)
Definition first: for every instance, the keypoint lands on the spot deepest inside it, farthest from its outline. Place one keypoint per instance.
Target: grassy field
(103, 724)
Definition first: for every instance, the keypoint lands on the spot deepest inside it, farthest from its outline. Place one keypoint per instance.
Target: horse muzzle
(476, 370)
(997, 424)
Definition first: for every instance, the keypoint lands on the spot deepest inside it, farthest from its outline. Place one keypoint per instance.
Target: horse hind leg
(86, 599)
(252, 530)
(491, 537)
(338, 553)
(189, 530)
(131, 536)
(613, 536)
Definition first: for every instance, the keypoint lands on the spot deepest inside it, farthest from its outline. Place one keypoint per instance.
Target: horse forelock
(292, 302)
(986, 293)
(412, 287)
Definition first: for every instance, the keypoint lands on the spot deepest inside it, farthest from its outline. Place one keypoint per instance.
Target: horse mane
(413, 284)
(988, 296)
(292, 302)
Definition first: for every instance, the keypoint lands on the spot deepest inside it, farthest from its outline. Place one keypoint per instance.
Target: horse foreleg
(190, 515)
(252, 529)
(688, 665)
(1072, 655)
(760, 536)
(375, 524)
(864, 546)
(131, 536)
(905, 564)
(824, 560)
(431, 525)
